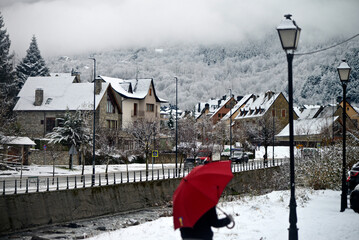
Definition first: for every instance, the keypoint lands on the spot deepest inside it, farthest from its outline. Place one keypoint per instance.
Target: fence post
(27, 186)
(134, 176)
(121, 177)
(57, 183)
(67, 182)
(15, 192)
(140, 176)
(106, 178)
(169, 173)
(158, 174)
(114, 178)
(75, 182)
(84, 181)
(37, 184)
(47, 187)
(99, 180)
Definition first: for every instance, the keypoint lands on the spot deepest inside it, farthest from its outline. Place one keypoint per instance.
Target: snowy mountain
(210, 71)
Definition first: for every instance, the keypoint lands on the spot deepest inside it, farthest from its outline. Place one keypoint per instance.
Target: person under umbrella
(195, 200)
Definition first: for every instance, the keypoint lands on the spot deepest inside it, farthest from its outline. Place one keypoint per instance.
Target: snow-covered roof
(237, 106)
(223, 103)
(312, 126)
(59, 93)
(132, 88)
(257, 106)
(308, 112)
(14, 140)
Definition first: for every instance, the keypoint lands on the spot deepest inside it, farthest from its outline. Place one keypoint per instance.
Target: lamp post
(289, 36)
(344, 72)
(94, 121)
(176, 124)
(230, 123)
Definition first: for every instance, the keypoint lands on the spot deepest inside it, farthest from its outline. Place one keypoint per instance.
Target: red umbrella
(199, 191)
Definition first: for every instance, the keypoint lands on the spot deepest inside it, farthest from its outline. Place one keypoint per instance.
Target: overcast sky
(66, 27)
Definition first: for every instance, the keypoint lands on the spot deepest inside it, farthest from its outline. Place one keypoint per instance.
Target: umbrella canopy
(199, 191)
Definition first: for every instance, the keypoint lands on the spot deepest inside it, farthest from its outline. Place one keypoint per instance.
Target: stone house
(270, 106)
(137, 99)
(43, 101)
(318, 125)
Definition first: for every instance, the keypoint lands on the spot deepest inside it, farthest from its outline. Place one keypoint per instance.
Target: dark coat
(202, 228)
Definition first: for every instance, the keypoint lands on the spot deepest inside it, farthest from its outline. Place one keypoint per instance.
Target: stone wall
(24, 211)
(41, 157)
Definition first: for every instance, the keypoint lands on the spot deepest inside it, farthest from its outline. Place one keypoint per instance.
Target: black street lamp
(94, 121)
(176, 125)
(344, 72)
(289, 36)
(230, 123)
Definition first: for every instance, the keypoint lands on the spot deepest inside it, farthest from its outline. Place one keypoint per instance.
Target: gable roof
(237, 106)
(257, 106)
(223, 103)
(59, 94)
(308, 126)
(132, 88)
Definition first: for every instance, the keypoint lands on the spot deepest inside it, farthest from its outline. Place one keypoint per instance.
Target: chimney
(206, 106)
(239, 98)
(219, 102)
(39, 96)
(76, 75)
(98, 86)
(199, 107)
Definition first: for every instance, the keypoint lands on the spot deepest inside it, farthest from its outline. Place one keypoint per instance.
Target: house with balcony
(137, 99)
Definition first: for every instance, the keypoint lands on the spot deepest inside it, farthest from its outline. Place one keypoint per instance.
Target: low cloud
(68, 27)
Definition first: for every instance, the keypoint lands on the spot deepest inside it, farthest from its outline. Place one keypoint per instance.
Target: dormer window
(48, 101)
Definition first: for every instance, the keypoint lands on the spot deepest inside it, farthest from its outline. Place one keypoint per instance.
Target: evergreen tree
(73, 131)
(8, 85)
(32, 64)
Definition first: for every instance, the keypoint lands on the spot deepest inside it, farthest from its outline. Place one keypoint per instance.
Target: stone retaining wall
(36, 209)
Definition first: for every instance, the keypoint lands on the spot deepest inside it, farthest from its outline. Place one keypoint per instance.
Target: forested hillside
(210, 71)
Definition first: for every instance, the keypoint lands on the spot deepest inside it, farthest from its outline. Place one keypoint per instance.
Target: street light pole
(176, 124)
(344, 73)
(289, 34)
(230, 123)
(94, 122)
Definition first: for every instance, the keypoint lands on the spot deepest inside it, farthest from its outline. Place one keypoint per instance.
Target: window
(50, 124)
(135, 109)
(110, 107)
(283, 112)
(273, 113)
(112, 124)
(150, 92)
(150, 107)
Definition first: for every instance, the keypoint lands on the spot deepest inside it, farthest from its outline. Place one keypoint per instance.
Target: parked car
(354, 199)
(190, 163)
(353, 179)
(204, 155)
(239, 157)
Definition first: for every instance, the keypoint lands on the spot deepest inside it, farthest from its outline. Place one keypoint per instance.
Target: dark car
(190, 163)
(239, 157)
(353, 179)
(354, 199)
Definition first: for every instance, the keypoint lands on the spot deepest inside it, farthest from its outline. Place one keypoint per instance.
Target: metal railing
(31, 184)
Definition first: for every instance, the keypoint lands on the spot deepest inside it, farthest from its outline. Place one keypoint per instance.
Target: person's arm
(215, 222)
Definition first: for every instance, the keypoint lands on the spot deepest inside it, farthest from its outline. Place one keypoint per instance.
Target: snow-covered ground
(47, 170)
(264, 217)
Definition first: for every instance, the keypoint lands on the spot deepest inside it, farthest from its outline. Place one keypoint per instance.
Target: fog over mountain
(206, 71)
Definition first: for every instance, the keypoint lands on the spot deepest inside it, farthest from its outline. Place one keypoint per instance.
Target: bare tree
(107, 145)
(142, 131)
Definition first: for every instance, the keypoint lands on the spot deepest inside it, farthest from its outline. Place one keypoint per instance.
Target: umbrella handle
(232, 220)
